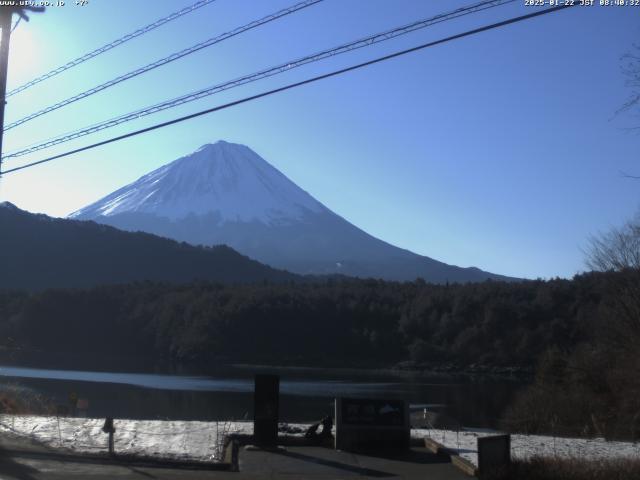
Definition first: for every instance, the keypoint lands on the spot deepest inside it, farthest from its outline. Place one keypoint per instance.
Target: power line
(269, 72)
(113, 44)
(163, 61)
(295, 85)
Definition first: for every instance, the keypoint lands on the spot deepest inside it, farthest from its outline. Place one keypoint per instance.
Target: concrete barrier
(459, 462)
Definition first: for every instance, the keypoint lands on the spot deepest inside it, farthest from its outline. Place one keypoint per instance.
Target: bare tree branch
(616, 250)
(630, 68)
(626, 175)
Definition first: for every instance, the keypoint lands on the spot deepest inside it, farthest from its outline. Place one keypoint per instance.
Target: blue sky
(500, 150)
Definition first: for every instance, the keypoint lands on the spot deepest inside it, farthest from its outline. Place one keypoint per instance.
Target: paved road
(21, 459)
(321, 463)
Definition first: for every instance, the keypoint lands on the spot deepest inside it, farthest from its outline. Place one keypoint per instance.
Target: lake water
(306, 394)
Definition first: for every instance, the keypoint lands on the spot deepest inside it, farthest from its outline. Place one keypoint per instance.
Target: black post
(111, 452)
(110, 429)
(265, 410)
(5, 25)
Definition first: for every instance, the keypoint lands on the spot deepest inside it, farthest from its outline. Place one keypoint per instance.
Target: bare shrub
(554, 468)
(18, 400)
(616, 250)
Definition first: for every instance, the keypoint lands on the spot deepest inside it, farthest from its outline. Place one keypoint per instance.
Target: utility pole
(6, 16)
(5, 24)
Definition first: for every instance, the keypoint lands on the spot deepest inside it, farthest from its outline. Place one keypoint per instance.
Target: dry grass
(18, 400)
(549, 468)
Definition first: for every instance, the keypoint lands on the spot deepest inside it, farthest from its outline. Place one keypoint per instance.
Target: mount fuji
(225, 193)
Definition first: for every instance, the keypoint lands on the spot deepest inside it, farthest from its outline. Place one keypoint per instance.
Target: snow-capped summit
(225, 193)
(225, 179)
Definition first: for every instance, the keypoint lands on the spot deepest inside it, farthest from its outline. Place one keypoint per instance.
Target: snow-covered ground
(203, 441)
(524, 446)
(176, 440)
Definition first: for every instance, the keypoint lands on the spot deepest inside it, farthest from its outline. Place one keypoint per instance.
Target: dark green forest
(579, 335)
(336, 322)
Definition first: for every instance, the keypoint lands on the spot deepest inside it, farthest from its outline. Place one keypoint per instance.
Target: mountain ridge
(39, 252)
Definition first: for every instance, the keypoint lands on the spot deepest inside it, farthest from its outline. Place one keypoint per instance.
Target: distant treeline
(581, 335)
(337, 322)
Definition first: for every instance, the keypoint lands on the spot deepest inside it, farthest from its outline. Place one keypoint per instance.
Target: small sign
(382, 413)
(108, 426)
(82, 404)
(372, 424)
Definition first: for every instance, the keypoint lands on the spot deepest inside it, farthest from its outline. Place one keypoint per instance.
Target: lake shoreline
(405, 369)
(306, 393)
(142, 364)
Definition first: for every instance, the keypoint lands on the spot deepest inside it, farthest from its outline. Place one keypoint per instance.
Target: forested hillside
(357, 322)
(39, 252)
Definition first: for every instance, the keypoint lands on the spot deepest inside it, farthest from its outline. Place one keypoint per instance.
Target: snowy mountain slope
(228, 179)
(225, 193)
